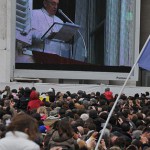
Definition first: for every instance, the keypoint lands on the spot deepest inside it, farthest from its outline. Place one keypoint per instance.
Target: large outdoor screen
(84, 38)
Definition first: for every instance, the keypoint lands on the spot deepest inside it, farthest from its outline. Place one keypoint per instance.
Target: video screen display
(78, 35)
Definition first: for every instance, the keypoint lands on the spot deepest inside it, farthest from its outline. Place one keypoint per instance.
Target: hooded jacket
(34, 102)
(108, 95)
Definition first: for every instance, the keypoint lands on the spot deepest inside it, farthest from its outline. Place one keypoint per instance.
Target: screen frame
(81, 75)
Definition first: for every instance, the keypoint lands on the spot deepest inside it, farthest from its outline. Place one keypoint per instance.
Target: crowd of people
(57, 121)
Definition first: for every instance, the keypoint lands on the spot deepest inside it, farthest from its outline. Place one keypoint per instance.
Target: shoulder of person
(57, 19)
(37, 12)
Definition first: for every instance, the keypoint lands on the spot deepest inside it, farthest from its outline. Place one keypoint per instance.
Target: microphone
(63, 14)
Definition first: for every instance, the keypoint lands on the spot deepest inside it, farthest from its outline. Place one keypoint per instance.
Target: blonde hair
(43, 110)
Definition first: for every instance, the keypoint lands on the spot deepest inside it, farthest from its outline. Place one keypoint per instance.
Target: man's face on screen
(51, 6)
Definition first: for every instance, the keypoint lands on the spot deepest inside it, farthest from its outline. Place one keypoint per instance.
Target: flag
(144, 60)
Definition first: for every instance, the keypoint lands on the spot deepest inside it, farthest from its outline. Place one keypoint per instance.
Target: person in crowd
(24, 99)
(34, 102)
(108, 94)
(48, 96)
(145, 138)
(62, 135)
(20, 134)
(6, 92)
(43, 112)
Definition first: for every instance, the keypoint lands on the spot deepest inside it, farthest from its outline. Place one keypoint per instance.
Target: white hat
(50, 90)
(84, 117)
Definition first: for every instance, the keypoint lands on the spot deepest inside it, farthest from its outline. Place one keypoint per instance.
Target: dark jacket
(61, 140)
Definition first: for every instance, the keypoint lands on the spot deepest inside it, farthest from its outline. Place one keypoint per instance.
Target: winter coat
(34, 102)
(17, 141)
(61, 140)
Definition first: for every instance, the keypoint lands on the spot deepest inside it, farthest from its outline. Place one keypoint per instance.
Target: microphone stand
(61, 12)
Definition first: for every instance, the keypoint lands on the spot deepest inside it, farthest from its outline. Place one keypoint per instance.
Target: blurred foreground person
(21, 133)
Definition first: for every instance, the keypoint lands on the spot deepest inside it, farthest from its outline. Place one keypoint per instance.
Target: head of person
(7, 88)
(146, 133)
(107, 89)
(63, 126)
(51, 6)
(42, 111)
(24, 123)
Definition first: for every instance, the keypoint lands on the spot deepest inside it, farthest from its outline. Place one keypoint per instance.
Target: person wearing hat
(108, 94)
(49, 96)
(34, 101)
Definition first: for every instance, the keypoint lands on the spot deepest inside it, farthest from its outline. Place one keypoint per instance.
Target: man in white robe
(42, 19)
